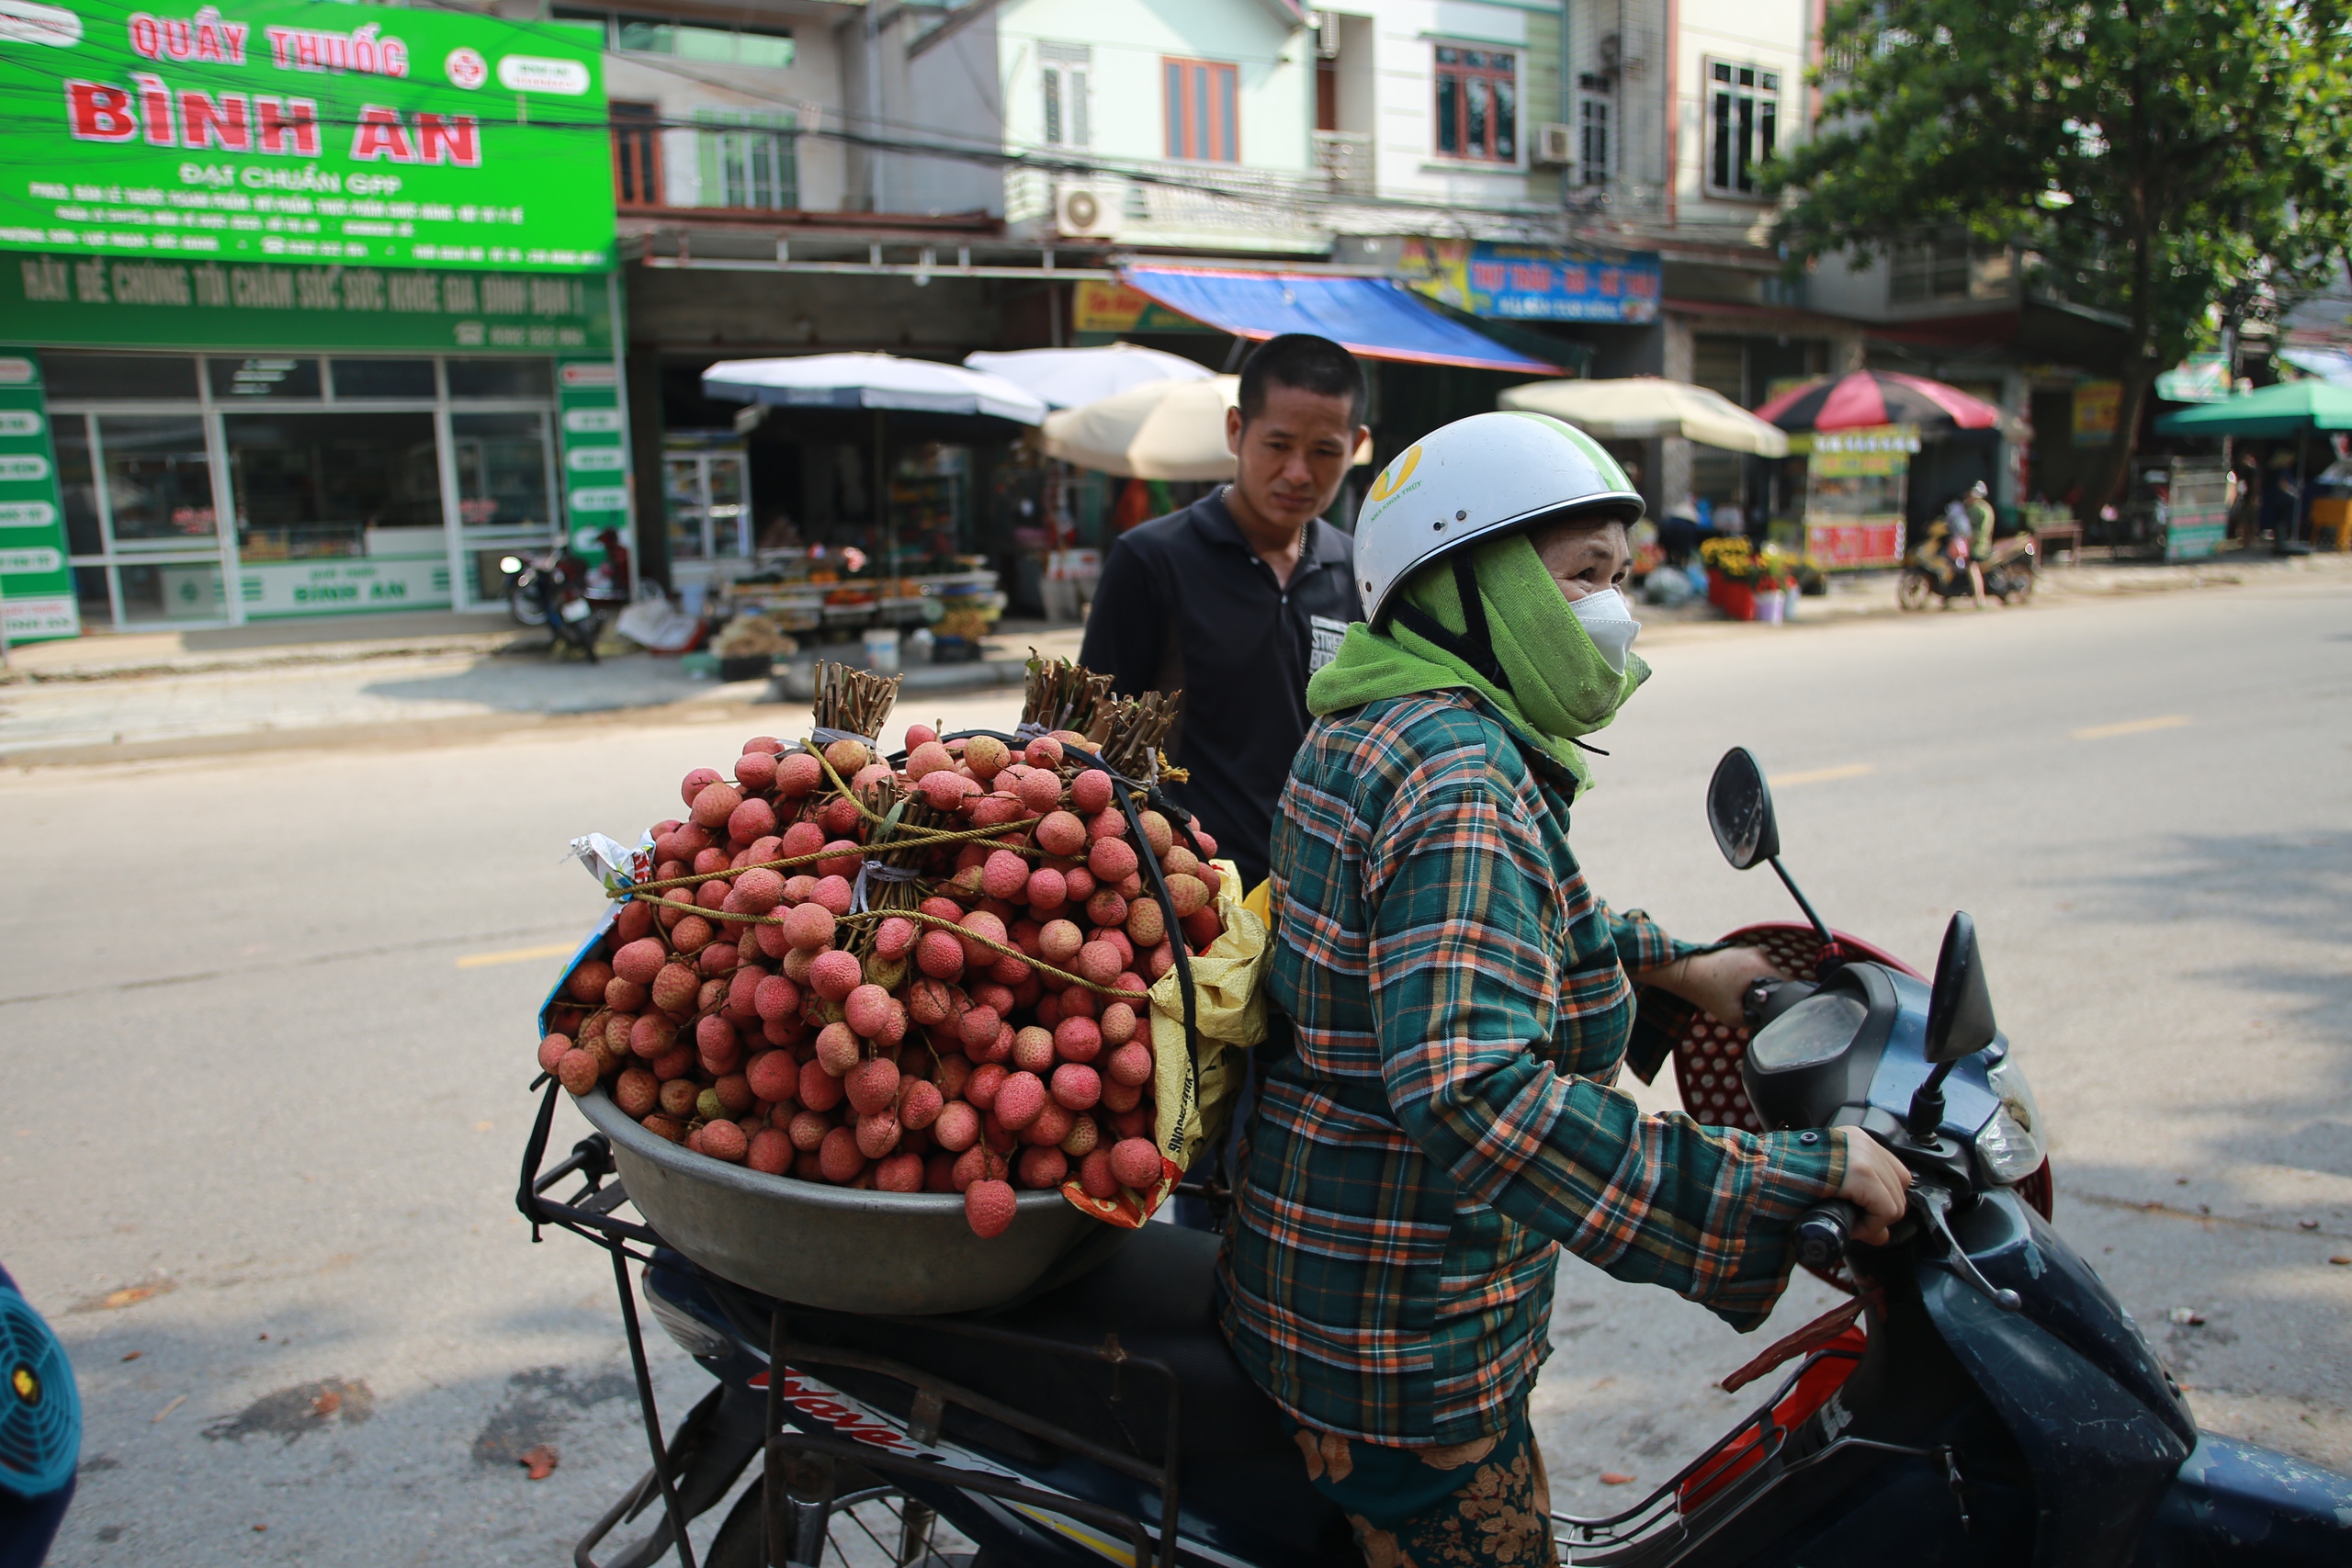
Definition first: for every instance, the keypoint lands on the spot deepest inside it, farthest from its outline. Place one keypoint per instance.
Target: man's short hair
(1307, 363)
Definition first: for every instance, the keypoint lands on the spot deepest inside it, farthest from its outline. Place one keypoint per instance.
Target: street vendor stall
(1856, 487)
(2288, 412)
(912, 569)
(1857, 434)
(1061, 539)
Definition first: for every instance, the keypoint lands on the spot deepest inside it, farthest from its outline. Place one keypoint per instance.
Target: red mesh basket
(1707, 1054)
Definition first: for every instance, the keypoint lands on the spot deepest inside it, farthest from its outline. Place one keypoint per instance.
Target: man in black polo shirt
(1238, 598)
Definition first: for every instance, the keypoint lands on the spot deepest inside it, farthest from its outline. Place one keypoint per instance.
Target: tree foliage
(2152, 157)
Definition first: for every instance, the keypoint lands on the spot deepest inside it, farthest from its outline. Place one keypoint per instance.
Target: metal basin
(823, 1245)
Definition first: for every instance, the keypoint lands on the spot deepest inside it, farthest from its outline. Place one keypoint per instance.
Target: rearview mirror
(1960, 1010)
(1740, 809)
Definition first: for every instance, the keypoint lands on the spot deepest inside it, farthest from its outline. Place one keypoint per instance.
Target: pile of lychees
(970, 1019)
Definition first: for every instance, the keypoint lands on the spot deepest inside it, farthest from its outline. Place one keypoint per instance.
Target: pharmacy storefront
(298, 321)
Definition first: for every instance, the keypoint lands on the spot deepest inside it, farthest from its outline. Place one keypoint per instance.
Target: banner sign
(95, 301)
(2200, 379)
(1100, 306)
(2097, 406)
(284, 130)
(1871, 450)
(319, 587)
(1528, 283)
(595, 452)
(35, 583)
(1846, 546)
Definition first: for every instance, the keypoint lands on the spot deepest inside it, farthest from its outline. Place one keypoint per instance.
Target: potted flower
(1734, 573)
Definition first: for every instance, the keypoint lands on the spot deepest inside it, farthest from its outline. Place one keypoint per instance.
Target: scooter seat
(1241, 1476)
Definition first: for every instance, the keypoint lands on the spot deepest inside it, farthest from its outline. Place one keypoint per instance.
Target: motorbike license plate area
(578, 610)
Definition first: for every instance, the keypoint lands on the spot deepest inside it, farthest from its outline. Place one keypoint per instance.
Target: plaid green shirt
(1447, 1120)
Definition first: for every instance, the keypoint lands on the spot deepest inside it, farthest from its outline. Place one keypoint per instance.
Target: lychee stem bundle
(853, 700)
(1127, 731)
(1059, 694)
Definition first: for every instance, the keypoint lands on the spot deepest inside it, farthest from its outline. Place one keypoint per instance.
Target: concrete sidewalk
(102, 656)
(96, 700)
(121, 697)
(75, 720)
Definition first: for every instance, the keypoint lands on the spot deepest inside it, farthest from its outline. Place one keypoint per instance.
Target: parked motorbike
(549, 589)
(2010, 571)
(1983, 1400)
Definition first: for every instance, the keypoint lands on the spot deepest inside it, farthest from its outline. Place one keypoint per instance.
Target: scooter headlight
(2010, 1146)
(510, 565)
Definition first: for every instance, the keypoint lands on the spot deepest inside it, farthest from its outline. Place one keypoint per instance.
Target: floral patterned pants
(1466, 1505)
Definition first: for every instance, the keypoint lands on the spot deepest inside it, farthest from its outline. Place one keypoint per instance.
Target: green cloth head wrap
(1560, 686)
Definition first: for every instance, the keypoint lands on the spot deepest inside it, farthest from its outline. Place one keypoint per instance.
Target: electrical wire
(1301, 201)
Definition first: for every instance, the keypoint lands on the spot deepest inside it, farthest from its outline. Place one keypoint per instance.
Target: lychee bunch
(757, 1016)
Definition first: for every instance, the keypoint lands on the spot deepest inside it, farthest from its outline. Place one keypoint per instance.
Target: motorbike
(1982, 1399)
(549, 590)
(2010, 571)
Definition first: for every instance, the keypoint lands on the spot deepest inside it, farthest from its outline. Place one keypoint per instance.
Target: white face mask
(1610, 623)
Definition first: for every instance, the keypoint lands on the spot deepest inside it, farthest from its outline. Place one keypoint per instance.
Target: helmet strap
(1474, 646)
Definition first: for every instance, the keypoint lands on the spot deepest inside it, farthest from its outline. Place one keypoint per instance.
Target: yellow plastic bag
(1193, 1092)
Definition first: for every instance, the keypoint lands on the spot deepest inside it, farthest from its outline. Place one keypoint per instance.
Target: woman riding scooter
(1463, 1004)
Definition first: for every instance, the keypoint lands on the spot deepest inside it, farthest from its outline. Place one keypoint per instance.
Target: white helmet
(1490, 474)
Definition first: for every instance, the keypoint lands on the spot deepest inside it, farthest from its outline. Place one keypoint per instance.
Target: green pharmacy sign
(35, 583)
(291, 132)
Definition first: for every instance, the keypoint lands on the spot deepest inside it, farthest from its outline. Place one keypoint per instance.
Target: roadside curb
(279, 658)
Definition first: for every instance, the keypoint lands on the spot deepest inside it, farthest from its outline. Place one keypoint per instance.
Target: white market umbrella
(1164, 430)
(881, 381)
(1071, 378)
(1640, 407)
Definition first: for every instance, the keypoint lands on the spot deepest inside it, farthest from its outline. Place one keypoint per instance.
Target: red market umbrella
(1879, 397)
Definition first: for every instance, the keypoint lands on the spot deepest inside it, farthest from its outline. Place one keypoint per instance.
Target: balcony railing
(1194, 200)
(1346, 160)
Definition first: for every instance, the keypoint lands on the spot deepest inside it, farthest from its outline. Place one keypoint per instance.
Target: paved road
(265, 1026)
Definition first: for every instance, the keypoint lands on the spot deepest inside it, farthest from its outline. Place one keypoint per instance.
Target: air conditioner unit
(1555, 144)
(1084, 212)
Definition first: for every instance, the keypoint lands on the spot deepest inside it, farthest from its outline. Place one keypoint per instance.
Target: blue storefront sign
(1529, 283)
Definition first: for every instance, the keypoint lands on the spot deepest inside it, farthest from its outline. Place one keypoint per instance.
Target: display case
(1856, 484)
(706, 506)
(2194, 509)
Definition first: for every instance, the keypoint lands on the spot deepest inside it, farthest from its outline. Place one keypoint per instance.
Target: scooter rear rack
(589, 1213)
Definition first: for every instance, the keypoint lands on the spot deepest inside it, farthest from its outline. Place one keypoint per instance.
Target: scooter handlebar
(1823, 1231)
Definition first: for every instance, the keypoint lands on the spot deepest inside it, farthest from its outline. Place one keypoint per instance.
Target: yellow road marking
(1822, 775)
(2132, 726)
(517, 956)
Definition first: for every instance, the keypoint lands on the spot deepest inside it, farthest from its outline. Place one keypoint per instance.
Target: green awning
(2282, 410)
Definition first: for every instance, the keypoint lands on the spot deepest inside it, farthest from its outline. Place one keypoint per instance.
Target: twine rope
(905, 838)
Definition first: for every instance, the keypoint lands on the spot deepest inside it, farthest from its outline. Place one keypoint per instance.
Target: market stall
(2287, 413)
(1856, 434)
(911, 568)
(1060, 543)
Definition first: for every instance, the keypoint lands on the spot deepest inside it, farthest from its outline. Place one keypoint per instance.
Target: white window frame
(1594, 113)
(1729, 172)
(1065, 106)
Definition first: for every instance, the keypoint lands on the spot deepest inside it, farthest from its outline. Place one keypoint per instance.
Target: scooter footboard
(2234, 1504)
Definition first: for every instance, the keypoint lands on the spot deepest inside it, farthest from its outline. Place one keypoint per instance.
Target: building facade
(316, 309)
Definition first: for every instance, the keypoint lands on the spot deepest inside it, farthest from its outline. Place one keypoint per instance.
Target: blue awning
(1375, 317)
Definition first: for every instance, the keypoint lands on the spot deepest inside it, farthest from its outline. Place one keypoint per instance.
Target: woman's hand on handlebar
(1714, 982)
(1875, 1181)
